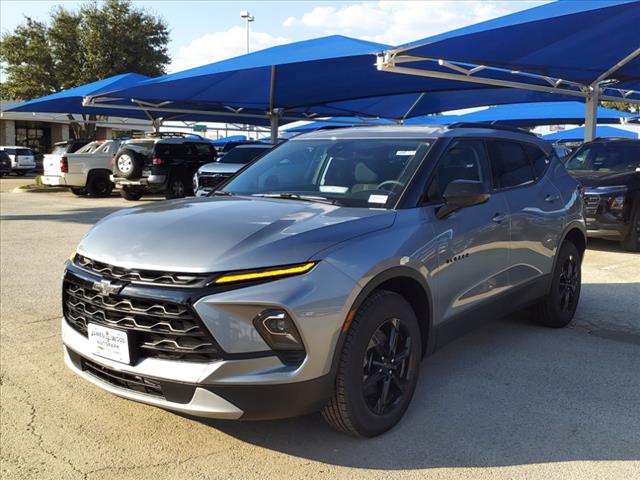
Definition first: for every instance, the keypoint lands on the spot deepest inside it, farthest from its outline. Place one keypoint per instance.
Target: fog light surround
(277, 329)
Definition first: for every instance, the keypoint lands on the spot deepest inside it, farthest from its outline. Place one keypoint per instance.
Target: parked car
(5, 163)
(85, 171)
(163, 162)
(22, 159)
(609, 170)
(52, 160)
(323, 272)
(233, 144)
(209, 176)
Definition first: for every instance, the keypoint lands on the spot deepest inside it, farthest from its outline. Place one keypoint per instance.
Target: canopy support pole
(591, 113)
(274, 117)
(412, 108)
(274, 113)
(157, 123)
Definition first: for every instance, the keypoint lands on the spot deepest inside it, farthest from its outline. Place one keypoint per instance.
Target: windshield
(351, 172)
(606, 157)
(242, 155)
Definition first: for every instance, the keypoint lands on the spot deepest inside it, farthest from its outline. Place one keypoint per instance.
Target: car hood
(591, 179)
(216, 167)
(225, 233)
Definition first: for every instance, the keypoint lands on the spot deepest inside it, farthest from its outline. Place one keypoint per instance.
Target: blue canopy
(337, 122)
(70, 101)
(533, 114)
(230, 138)
(329, 76)
(571, 41)
(577, 134)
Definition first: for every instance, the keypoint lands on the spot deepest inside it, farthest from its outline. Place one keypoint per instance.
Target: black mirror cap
(461, 194)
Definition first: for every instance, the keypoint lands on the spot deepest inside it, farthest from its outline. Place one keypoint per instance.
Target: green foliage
(77, 47)
(625, 107)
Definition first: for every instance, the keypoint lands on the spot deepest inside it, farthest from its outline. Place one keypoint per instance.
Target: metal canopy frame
(601, 89)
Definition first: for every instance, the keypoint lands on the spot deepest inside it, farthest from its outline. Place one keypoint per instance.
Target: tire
(559, 306)
(632, 241)
(79, 191)
(128, 163)
(99, 185)
(177, 187)
(361, 411)
(131, 193)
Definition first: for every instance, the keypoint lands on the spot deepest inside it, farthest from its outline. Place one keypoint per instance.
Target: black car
(609, 170)
(5, 163)
(163, 162)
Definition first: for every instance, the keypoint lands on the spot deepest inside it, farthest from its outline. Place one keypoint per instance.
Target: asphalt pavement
(510, 400)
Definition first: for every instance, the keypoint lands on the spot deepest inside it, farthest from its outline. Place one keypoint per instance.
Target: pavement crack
(31, 428)
(41, 320)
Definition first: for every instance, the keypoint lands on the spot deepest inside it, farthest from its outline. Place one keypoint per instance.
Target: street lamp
(249, 18)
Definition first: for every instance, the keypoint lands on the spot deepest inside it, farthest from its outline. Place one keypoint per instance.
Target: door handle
(551, 198)
(499, 217)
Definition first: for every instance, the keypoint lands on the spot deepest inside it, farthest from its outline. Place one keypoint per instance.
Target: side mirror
(461, 194)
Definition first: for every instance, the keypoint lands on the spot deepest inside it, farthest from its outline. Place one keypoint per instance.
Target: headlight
(265, 274)
(617, 202)
(195, 181)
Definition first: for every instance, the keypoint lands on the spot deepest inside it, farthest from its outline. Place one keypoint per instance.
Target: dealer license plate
(108, 343)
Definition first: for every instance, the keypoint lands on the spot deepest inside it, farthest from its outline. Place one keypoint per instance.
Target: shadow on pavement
(89, 215)
(509, 393)
(603, 245)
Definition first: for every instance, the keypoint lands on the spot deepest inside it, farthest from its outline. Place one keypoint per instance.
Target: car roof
(412, 132)
(14, 146)
(252, 145)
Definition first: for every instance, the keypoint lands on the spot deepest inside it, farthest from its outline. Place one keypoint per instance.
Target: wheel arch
(412, 286)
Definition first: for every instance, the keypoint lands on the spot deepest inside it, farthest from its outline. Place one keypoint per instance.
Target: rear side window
(463, 160)
(510, 165)
(242, 155)
(171, 150)
(204, 149)
(538, 159)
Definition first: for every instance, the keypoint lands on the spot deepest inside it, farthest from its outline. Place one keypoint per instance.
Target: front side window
(463, 160)
(510, 165)
(350, 172)
(606, 157)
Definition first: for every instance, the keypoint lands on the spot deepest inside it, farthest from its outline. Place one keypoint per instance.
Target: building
(40, 131)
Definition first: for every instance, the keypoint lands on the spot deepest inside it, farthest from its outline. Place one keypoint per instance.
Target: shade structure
(336, 122)
(535, 114)
(577, 134)
(587, 49)
(328, 76)
(71, 101)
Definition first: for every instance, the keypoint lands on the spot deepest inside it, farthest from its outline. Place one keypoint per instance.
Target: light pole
(249, 18)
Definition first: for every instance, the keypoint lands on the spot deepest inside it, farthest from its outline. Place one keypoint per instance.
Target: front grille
(212, 181)
(141, 276)
(129, 381)
(591, 203)
(158, 329)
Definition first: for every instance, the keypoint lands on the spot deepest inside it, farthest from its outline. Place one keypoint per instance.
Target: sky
(207, 31)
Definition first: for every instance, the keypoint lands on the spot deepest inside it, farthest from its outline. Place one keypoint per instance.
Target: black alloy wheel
(569, 284)
(387, 370)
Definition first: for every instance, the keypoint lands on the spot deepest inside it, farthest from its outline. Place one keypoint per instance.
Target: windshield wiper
(297, 196)
(220, 193)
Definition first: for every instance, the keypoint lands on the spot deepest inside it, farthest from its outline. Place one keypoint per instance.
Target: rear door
(535, 206)
(472, 243)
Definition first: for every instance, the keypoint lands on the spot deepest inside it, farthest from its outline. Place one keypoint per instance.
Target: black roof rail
(491, 126)
(604, 139)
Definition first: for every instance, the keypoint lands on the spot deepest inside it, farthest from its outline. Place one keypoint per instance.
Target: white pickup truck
(85, 171)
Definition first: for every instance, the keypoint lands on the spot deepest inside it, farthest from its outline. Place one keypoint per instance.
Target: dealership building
(40, 131)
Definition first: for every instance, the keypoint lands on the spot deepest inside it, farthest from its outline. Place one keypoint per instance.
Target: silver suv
(319, 276)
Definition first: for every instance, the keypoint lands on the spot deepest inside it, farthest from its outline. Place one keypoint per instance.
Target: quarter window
(510, 165)
(538, 159)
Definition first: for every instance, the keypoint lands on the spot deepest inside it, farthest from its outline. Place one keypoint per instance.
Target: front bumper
(247, 382)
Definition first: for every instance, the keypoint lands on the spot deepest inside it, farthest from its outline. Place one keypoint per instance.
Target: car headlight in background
(195, 181)
(265, 274)
(616, 195)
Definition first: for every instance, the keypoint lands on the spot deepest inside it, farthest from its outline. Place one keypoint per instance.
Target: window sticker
(382, 199)
(405, 153)
(333, 189)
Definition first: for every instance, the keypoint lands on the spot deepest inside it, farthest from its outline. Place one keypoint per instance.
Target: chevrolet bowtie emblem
(106, 287)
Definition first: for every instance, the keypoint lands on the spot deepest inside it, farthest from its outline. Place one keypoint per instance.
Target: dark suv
(162, 162)
(609, 170)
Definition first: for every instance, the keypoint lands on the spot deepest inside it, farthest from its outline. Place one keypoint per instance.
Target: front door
(472, 243)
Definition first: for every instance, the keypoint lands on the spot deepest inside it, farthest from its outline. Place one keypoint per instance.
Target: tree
(77, 47)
